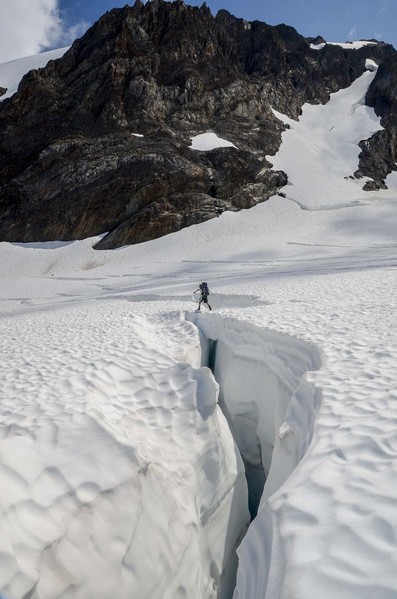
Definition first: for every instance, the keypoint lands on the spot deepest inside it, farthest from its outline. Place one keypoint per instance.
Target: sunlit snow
(321, 155)
(209, 141)
(119, 475)
(12, 72)
(346, 45)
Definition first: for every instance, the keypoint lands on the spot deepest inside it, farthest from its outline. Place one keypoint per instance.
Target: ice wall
(118, 473)
(270, 404)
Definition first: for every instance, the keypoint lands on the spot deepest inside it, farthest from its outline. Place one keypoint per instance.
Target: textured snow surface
(118, 472)
(117, 467)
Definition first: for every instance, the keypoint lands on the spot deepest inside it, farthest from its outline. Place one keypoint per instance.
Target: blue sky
(55, 23)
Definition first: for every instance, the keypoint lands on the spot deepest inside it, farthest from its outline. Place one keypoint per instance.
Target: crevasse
(270, 404)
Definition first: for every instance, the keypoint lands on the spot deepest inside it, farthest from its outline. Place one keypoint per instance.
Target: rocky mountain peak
(98, 141)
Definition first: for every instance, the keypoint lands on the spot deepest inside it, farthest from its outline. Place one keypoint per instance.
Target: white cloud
(352, 35)
(30, 26)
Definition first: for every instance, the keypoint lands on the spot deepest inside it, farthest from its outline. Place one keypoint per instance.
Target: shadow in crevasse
(262, 389)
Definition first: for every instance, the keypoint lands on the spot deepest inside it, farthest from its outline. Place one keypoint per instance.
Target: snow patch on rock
(346, 45)
(209, 141)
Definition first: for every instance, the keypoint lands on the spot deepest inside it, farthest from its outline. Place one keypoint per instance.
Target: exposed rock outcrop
(379, 154)
(72, 164)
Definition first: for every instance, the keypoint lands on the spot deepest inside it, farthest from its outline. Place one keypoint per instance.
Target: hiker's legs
(205, 300)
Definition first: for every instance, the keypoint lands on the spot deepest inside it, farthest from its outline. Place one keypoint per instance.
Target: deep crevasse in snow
(270, 404)
(157, 473)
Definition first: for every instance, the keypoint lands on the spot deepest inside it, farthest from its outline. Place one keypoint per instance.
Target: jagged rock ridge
(72, 165)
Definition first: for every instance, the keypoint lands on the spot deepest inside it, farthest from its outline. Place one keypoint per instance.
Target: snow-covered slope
(118, 474)
(320, 166)
(12, 72)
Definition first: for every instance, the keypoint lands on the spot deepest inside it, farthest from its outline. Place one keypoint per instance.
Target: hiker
(203, 288)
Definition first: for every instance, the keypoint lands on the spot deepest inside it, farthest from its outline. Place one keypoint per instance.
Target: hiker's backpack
(204, 288)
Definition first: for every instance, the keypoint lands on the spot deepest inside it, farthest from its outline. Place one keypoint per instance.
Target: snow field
(12, 72)
(325, 149)
(112, 446)
(331, 526)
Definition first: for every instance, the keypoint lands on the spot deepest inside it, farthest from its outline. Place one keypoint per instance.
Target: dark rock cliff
(379, 153)
(98, 141)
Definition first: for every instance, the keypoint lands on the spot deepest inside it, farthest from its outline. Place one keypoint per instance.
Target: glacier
(127, 420)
